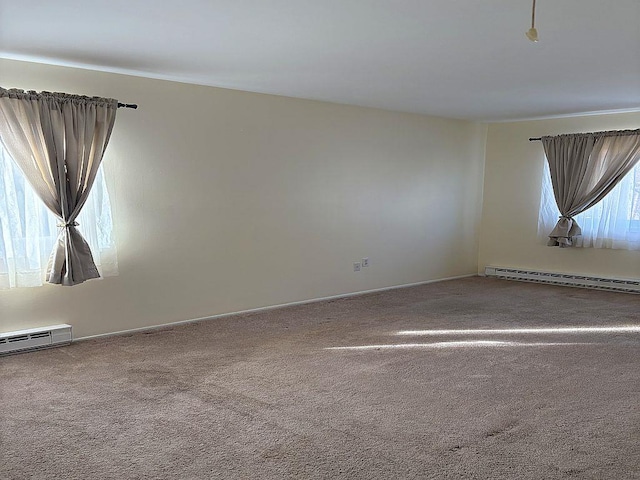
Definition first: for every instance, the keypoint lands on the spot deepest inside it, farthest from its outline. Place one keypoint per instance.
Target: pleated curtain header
(57, 97)
(611, 133)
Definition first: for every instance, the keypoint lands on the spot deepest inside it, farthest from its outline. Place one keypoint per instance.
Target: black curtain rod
(535, 139)
(127, 105)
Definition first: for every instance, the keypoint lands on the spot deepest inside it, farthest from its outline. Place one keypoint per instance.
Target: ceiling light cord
(532, 33)
(533, 14)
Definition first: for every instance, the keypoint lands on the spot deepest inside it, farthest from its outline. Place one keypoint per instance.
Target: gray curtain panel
(584, 168)
(58, 141)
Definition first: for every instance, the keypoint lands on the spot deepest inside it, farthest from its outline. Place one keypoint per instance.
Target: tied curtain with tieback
(584, 168)
(58, 140)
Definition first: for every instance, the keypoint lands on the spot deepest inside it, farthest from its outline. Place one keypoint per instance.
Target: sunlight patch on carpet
(462, 344)
(516, 331)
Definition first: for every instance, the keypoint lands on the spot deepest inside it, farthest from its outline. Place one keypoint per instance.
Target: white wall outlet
(356, 267)
(365, 262)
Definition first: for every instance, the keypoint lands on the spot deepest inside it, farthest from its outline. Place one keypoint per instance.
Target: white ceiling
(453, 58)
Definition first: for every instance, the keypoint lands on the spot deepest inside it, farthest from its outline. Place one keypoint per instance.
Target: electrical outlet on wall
(365, 262)
(356, 267)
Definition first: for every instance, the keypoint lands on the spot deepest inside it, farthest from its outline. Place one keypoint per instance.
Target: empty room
(355, 239)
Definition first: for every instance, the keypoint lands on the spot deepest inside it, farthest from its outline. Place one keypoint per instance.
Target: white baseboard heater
(566, 279)
(35, 338)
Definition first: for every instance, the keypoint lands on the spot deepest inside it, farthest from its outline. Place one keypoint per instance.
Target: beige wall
(227, 200)
(513, 175)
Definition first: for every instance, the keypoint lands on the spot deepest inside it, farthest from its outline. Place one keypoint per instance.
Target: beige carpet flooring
(265, 395)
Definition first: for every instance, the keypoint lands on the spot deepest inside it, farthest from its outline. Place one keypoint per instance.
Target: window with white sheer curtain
(614, 222)
(28, 230)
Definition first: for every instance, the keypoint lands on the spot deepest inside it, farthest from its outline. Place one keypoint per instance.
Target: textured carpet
(263, 396)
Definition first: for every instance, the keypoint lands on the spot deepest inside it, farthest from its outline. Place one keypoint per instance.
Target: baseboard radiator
(34, 339)
(566, 279)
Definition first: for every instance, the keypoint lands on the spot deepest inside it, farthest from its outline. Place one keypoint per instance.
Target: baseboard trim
(264, 309)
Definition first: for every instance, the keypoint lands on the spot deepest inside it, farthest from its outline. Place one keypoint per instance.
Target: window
(28, 230)
(614, 222)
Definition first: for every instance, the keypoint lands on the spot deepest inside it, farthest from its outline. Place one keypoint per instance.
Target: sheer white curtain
(28, 229)
(614, 222)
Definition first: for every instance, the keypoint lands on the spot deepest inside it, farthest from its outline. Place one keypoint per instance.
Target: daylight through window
(612, 223)
(28, 230)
